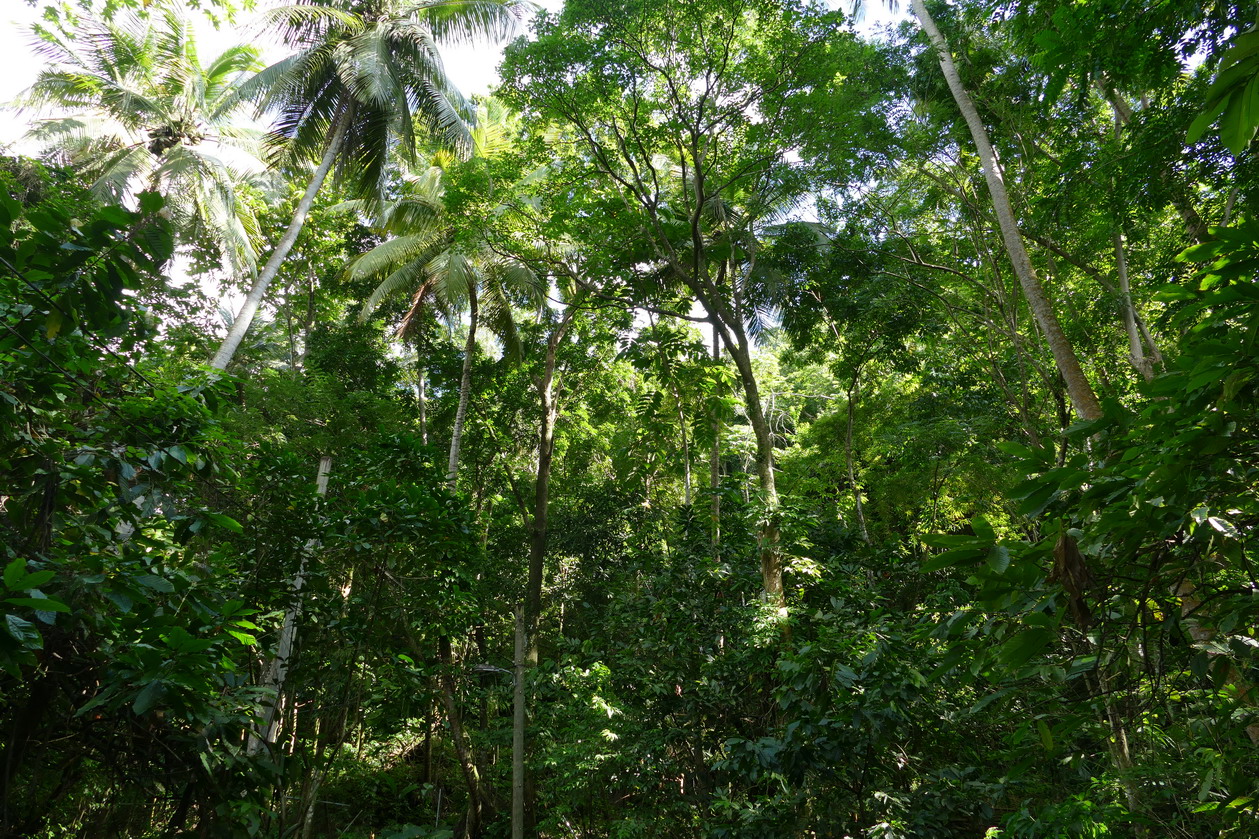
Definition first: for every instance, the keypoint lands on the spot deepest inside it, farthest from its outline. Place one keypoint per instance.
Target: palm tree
(447, 266)
(146, 114)
(364, 74)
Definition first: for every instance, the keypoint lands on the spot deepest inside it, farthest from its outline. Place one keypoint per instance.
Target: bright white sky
(473, 68)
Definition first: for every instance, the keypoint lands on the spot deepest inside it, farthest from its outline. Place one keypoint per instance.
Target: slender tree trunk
(1136, 346)
(549, 403)
(463, 750)
(465, 387)
(853, 395)
(714, 462)
(1195, 225)
(686, 452)
(527, 639)
(1078, 387)
(277, 673)
(770, 548)
(519, 720)
(421, 397)
(253, 300)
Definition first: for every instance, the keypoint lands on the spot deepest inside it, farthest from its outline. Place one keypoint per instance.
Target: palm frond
(498, 315)
(391, 255)
(472, 21)
(410, 276)
(307, 24)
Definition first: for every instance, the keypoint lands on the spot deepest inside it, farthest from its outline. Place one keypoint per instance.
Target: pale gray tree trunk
(421, 397)
(245, 317)
(1195, 225)
(1136, 345)
(1078, 387)
(465, 387)
(686, 451)
(277, 673)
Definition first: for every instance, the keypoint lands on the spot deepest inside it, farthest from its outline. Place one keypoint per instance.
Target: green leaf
(1046, 736)
(1014, 449)
(35, 580)
(999, 558)
(1019, 649)
(150, 202)
(148, 697)
(954, 557)
(1224, 526)
(226, 522)
(1203, 121)
(983, 530)
(53, 324)
(122, 601)
(950, 540)
(180, 640)
(24, 632)
(1040, 619)
(156, 583)
(989, 699)
(14, 573)
(46, 604)
(10, 209)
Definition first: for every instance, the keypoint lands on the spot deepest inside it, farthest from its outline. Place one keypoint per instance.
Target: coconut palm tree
(365, 74)
(450, 267)
(144, 113)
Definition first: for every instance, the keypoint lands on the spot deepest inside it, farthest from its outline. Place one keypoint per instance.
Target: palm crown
(365, 73)
(146, 114)
(447, 261)
(373, 68)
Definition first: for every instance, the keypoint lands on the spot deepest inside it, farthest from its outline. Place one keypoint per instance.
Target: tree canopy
(741, 423)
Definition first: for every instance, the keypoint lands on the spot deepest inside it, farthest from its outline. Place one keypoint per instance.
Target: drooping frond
(418, 303)
(496, 312)
(464, 21)
(409, 277)
(389, 256)
(308, 24)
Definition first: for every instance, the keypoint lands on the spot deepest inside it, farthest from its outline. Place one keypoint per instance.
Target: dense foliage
(743, 424)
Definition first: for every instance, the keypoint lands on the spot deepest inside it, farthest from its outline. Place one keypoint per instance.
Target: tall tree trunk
(549, 404)
(1136, 346)
(714, 462)
(278, 671)
(853, 395)
(465, 387)
(1078, 386)
(770, 547)
(1195, 225)
(527, 639)
(253, 300)
(686, 451)
(519, 720)
(421, 395)
(463, 749)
